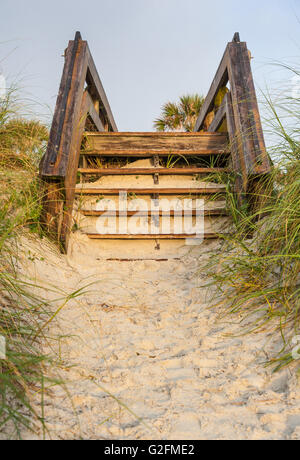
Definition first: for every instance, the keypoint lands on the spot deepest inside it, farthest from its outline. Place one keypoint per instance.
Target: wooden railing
(81, 104)
(239, 108)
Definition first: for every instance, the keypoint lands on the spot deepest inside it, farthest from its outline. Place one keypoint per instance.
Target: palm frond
(181, 115)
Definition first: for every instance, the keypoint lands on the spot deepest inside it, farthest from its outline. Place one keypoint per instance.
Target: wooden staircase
(192, 153)
(90, 170)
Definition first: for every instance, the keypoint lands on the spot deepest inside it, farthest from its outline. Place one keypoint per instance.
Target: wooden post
(59, 166)
(249, 157)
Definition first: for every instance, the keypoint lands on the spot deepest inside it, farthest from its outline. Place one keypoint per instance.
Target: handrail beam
(218, 119)
(220, 80)
(97, 92)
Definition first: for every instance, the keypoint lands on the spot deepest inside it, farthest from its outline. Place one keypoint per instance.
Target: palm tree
(180, 116)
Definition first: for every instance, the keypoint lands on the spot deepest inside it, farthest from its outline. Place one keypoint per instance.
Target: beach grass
(256, 272)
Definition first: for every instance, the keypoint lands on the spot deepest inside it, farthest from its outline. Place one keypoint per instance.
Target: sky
(147, 52)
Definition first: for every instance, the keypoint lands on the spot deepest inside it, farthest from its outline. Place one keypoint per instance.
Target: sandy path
(144, 333)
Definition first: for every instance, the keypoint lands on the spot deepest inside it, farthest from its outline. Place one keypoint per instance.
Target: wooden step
(142, 153)
(145, 171)
(150, 191)
(181, 236)
(172, 213)
(156, 143)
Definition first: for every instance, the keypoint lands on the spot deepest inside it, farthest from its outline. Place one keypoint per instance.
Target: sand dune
(144, 357)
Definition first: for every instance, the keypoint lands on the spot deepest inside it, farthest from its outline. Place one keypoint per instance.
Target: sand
(144, 357)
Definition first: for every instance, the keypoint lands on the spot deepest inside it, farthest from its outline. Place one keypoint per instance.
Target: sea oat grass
(258, 267)
(23, 308)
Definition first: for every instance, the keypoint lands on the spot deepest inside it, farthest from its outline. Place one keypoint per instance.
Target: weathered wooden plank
(239, 97)
(145, 171)
(62, 100)
(218, 120)
(220, 80)
(235, 161)
(56, 165)
(71, 173)
(262, 160)
(135, 153)
(93, 115)
(54, 142)
(97, 91)
(76, 71)
(250, 141)
(235, 67)
(60, 163)
(171, 213)
(149, 191)
(97, 236)
(156, 142)
(66, 152)
(63, 170)
(111, 259)
(241, 178)
(52, 210)
(248, 150)
(153, 134)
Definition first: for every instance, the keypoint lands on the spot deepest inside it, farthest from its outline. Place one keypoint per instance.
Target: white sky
(147, 51)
